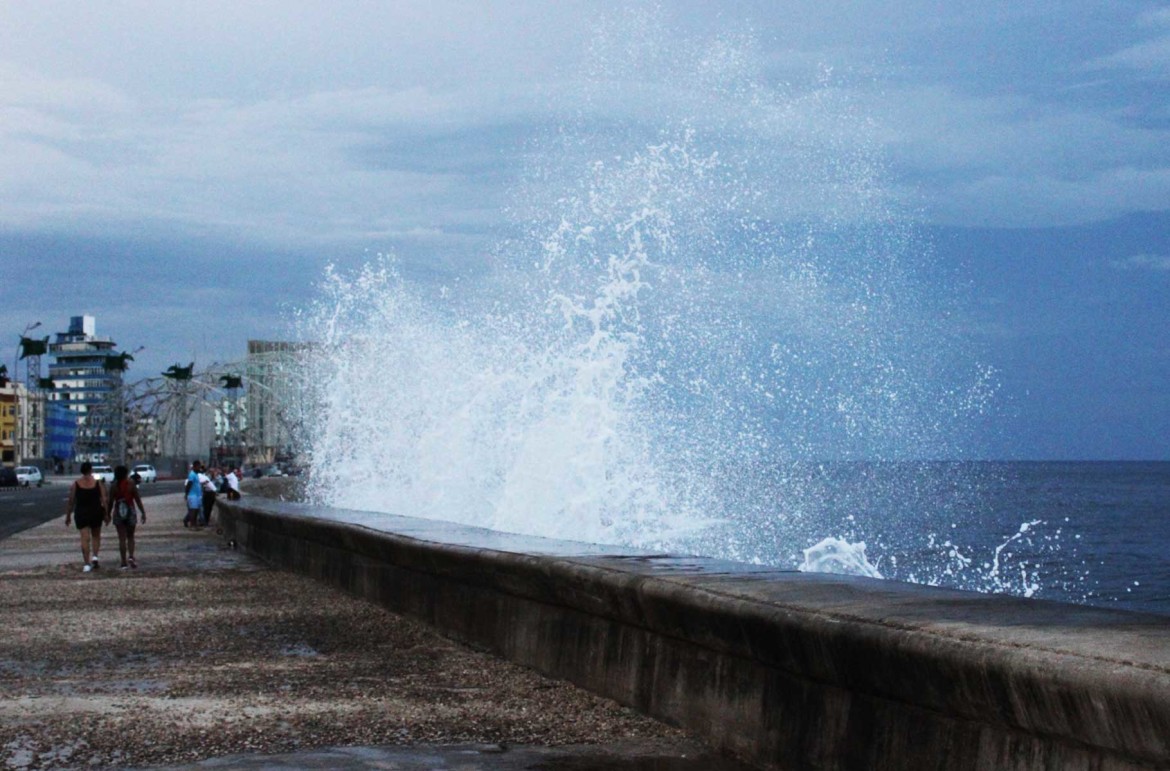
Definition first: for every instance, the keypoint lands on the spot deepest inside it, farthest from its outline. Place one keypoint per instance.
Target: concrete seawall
(785, 670)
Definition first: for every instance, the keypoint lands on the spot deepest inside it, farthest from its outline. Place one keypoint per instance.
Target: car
(104, 473)
(29, 475)
(144, 472)
(8, 477)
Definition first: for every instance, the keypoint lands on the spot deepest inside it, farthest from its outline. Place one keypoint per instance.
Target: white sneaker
(95, 562)
(87, 568)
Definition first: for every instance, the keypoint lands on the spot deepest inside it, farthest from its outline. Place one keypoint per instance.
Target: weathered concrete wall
(786, 670)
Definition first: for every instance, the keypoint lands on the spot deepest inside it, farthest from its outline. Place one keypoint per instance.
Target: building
(21, 424)
(144, 436)
(60, 433)
(199, 432)
(276, 401)
(85, 385)
(8, 405)
(231, 430)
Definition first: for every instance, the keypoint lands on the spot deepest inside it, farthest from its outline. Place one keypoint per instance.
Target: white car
(145, 473)
(104, 473)
(29, 475)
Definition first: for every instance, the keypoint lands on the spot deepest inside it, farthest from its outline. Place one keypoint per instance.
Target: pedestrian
(193, 490)
(233, 484)
(123, 499)
(207, 480)
(87, 507)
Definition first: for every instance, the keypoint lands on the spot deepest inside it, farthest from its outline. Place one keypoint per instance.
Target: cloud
(282, 169)
(1145, 262)
(322, 125)
(1018, 161)
(1151, 57)
(1044, 201)
(339, 164)
(25, 88)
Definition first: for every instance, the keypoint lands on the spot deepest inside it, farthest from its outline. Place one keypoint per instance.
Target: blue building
(60, 432)
(83, 385)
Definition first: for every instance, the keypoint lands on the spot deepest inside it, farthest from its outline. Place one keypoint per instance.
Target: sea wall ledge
(782, 669)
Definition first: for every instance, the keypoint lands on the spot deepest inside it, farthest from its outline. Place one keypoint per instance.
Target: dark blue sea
(1088, 532)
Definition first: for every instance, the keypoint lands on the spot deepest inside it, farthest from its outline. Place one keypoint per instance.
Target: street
(25, 507)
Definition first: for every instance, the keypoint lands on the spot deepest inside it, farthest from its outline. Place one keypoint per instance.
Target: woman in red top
(123, 498)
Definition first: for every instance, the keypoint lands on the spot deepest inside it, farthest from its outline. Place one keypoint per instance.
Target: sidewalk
(204, 652)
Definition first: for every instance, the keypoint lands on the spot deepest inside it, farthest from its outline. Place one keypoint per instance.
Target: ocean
(1086, 532)
(1113, 521)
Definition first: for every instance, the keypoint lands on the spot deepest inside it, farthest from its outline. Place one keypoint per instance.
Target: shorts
(89, 519)
(129, 522)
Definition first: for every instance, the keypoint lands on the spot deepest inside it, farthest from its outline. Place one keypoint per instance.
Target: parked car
(8, 477)
(144, 472)
(104, 473)
(29, 475)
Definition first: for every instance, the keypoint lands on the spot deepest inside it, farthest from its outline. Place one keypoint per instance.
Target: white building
(276, 399)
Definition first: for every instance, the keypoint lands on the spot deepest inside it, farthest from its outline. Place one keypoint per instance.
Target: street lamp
(18, 450)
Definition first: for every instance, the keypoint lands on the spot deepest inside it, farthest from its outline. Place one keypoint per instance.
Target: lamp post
(18, 449)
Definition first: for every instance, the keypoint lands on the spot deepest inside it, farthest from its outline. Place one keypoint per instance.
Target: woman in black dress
(87, 506)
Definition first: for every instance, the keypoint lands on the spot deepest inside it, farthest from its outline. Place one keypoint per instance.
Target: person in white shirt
(233, 485)
(208, 497)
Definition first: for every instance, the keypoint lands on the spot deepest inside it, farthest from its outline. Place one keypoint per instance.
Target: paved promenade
(205, 658)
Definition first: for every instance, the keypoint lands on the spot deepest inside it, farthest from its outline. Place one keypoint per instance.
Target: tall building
(83, 383)
(276, 400)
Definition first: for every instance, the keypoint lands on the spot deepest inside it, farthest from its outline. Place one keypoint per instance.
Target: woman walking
(123, 499)
(87, 507)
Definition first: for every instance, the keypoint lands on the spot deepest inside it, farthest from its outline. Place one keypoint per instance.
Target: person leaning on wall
(232, 481)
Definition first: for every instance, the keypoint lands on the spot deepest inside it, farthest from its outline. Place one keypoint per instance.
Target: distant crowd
(202, 487)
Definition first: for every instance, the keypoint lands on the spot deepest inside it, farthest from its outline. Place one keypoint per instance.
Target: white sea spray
(701, 308)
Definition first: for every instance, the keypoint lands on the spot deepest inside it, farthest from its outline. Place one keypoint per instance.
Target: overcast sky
(184, 171)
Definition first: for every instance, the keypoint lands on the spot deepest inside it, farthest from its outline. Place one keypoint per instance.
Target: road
(25, 507)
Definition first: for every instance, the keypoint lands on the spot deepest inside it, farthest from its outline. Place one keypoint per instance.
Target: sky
(185, 171)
